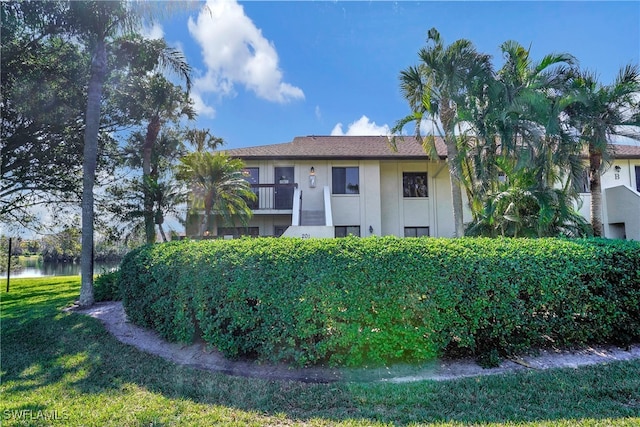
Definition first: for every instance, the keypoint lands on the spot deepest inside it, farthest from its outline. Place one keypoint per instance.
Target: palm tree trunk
(456, 197)
(92, 123)
(595, 186)
(447, 117)
(164, 236)
(153, 129)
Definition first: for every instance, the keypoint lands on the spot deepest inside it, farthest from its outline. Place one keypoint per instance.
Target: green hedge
(106, 287)
(354, 302)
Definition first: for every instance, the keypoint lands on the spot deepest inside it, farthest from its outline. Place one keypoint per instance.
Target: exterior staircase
(311, 223)
(312, 218)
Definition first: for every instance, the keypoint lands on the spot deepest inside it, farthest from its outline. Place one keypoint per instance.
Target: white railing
(328, 216)
(297, 205)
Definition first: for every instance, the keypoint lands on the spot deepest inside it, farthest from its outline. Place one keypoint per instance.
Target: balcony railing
(273, 196)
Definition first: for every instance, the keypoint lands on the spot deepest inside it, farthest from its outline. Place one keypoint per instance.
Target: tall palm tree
(164, 103)
(520, 128)
(438, 89)
(601, 113)
(532, 97)
(99, 24)
(218, 186)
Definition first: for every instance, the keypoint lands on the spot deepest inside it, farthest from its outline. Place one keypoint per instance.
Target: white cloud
(234, 51)
(200, 106)
(361, 127)
(318, 113)
(154, 32)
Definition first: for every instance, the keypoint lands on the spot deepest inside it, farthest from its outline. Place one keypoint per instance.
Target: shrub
(376, 301)
(106, 287)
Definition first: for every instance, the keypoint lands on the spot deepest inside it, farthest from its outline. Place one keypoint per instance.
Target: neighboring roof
(627, 151)
(363, 147)
(339, 147)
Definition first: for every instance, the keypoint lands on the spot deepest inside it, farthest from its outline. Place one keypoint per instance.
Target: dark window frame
(413, 231)
(344, 230)
(238, 231)
(339, 180)
(415, 185)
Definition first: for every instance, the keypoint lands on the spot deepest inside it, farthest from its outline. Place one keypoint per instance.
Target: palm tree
(218, 186)
(602, 112)
(98, 24)
(521, 206)
(168, 196)
(202, 139)
(165, 101)
(438, 89)
(520, 130)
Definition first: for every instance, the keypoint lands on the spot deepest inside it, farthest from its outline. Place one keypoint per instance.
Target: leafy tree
(600, 113)
(63, 246)
(42, 90)
(437, 90)
(218, 186)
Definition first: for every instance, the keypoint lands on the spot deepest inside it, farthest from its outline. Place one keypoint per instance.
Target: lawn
(61, 368)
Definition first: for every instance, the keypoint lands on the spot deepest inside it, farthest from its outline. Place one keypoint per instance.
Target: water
(35, 267)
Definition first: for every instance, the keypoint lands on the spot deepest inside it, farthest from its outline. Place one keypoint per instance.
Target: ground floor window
(238, 231)
(278, 230)
(416, 232)
(347, 230)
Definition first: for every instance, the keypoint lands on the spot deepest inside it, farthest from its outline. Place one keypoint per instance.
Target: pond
(35, 267)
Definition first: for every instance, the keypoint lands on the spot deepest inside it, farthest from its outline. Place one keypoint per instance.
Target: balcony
(273, 198)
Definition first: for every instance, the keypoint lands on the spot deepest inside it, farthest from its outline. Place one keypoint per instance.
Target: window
(637, 169)
(414, 184)
(238, 231)
(347, 230)
(346, 180)
(252, 175)
(416, 232)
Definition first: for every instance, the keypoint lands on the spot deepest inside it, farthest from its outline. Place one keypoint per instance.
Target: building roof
(363, 147)
(339, 147)
(627, 151)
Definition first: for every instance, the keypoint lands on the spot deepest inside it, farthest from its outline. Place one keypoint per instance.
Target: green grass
(62, 368)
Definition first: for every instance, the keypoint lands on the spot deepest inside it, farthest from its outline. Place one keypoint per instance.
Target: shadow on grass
(43, 347)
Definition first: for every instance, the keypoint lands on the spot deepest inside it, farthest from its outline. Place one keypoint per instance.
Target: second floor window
(346, 180)
(414, 184)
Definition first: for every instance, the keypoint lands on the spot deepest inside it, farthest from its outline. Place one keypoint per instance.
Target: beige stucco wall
(379, 205)
(610, 179)
(397, 211)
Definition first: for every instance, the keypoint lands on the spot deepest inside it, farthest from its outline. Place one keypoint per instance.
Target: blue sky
(266, 72)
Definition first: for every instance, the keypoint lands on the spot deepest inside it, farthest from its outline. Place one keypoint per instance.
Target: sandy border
(112, 315)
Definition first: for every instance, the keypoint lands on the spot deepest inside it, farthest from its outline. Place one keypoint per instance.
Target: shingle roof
(362, 147)
(339, 147)
(627, 151)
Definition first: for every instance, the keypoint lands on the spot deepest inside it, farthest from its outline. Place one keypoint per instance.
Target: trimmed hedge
(106, 287)
(354, 302)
